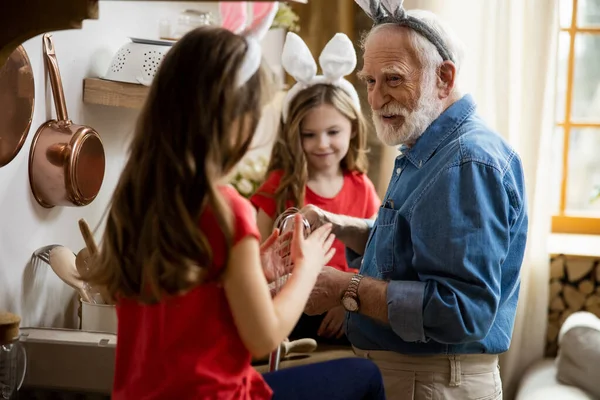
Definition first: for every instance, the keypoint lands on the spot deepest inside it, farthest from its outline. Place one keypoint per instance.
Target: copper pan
(17, 98)
(66, 161)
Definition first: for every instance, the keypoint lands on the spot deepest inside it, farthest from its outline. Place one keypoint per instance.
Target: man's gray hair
(427, 52)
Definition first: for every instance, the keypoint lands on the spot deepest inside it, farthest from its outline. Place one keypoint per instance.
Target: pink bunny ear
(263, 14)
(233, 15)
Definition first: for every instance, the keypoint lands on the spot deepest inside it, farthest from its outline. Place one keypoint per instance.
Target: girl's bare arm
(262, 322)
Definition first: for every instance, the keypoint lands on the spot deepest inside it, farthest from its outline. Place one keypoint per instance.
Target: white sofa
(540, 383)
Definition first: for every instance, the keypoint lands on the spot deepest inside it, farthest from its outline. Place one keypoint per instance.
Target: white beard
(428, 110)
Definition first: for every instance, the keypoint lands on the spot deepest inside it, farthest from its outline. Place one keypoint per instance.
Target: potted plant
(286, 18)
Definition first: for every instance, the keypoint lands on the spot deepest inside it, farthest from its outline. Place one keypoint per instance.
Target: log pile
(574, 286)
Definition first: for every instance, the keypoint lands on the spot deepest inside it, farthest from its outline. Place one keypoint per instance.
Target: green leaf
(286, 18)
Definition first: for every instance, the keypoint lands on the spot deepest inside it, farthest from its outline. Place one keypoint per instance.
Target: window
(577, 135)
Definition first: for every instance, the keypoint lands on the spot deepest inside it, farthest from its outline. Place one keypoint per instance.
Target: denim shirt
(450, 239)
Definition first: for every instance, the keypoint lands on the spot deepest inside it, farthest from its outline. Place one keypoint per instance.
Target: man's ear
(446, 78)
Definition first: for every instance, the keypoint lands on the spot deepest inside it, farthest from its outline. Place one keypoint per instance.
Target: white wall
(36, 293)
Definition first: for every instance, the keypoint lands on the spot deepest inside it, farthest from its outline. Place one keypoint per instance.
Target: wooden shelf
(115, 94)
(118, 94)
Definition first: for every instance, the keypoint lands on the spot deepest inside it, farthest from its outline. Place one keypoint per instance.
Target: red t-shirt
(188, 347)
(358, 198)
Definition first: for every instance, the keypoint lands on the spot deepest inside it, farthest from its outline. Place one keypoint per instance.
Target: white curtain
(510, 70)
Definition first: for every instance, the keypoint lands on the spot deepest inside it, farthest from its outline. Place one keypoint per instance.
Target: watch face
(350, 304)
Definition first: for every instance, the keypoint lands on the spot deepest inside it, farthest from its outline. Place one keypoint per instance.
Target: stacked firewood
(574, 286)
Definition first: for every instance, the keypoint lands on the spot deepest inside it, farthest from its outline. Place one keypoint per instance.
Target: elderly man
(435, 300)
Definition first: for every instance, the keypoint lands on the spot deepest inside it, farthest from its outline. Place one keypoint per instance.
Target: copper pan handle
(58, 153)
(55, 80)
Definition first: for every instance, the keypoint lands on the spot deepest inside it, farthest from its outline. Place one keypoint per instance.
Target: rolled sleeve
(370, 223)
(405, 309)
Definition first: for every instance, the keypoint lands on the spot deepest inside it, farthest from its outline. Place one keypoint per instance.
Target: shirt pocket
(385, 240)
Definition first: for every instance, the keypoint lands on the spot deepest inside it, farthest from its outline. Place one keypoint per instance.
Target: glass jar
(285, 222)
(191, 19)
(13, 359)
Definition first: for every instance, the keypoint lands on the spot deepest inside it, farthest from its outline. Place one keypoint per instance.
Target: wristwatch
(350, 299)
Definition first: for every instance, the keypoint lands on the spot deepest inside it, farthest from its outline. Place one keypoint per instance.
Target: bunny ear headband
(391, 11)
(337, 60)
(234, 18)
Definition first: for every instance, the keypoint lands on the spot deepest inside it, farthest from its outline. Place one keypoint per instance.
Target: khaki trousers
(439, 377)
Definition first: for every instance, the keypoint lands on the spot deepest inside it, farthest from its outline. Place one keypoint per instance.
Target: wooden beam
(21, 20)
(212, 1)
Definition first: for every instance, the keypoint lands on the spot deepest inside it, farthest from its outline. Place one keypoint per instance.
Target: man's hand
(333, 323)
(314, 215)
(328, 291)
(351, 231)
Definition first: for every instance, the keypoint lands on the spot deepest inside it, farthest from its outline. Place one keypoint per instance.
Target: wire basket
(278, 261)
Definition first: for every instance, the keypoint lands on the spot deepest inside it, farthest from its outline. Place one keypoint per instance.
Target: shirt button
(398, 170)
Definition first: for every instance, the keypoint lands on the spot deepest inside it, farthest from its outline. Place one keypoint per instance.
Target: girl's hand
(264, 255)
(313, 253)
(269, 242)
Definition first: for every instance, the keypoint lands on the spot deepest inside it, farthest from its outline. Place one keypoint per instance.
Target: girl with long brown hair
(319, 157)
(180, 255)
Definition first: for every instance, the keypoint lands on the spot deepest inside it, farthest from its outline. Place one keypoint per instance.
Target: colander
(138, 61)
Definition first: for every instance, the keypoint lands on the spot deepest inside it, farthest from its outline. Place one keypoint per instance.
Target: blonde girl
(319, 157)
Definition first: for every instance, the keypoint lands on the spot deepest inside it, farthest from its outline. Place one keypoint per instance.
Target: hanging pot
(17, 93)
(66, 161)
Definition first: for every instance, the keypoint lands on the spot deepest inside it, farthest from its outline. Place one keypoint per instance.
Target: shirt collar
(446, 124)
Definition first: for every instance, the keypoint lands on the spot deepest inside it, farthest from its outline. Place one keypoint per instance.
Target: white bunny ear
(394, 8)
(297, 59)
(263, 15)
(338, 58)
(262, 19)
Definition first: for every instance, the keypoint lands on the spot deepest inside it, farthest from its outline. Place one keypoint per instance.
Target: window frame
(563, 222)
